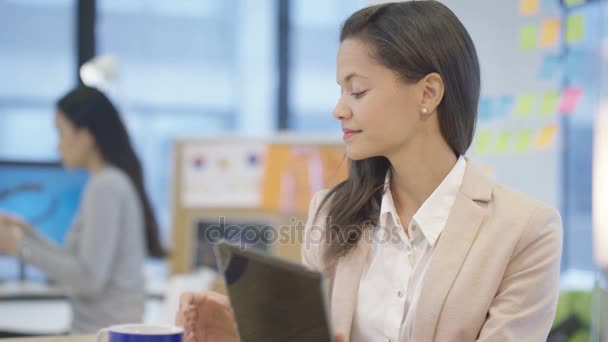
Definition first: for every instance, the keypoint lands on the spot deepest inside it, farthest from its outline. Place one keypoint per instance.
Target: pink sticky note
(569, 101)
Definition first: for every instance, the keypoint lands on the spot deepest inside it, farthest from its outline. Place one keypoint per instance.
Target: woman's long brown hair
(414, 39)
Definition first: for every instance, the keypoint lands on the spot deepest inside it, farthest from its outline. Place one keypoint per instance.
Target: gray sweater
(101, 264)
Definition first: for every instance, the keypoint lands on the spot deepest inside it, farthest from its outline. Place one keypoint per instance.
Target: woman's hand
(12, 230)
(7, 219)
(208, 317)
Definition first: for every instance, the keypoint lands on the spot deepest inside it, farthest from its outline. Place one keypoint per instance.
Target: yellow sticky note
(575, 28)
(572, 3)
(525, 104)
(528, 7)
(549, 101)
(524, 138)
(549, 32)
(527, 37)
(546, 136)
(502, 141)
(482, 141)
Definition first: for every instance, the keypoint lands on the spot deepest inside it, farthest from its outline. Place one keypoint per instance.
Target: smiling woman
(417, 233)
(418, 244)
(392, 85)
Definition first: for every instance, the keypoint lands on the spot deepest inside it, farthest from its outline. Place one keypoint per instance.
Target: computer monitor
(43, 194)
(252, 233)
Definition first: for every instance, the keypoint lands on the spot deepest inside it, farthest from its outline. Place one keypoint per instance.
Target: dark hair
(89, 108)
(414, 39)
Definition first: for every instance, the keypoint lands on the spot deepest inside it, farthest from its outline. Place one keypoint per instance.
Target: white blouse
(391, 283)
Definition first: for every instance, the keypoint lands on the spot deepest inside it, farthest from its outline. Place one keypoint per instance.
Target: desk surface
(16, 290)
(155, 272)
(88, 338)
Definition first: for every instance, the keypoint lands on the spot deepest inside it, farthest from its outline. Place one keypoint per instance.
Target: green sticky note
(575, 28)
(482, 141)
(503, 141)
(524, 138)
(572, 3)
(548, 104)
(525, 104)
(527, 37)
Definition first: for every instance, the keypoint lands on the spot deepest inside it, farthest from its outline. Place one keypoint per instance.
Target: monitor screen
(43, 194)
(208, 233)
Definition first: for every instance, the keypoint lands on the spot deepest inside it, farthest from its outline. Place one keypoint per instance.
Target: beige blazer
(493, 275)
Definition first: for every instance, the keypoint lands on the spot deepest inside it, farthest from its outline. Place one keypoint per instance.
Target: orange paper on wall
(295, 172)
(547, 136)
(549, 32)
(528, 7)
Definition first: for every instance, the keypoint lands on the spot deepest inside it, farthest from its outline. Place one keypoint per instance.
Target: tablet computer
(273, 299)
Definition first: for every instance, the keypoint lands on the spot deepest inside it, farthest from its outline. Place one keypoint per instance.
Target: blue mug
(141, 333)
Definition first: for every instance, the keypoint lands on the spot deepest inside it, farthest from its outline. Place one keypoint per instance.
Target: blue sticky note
(574, 65)
(485, 110)
(505, 105)
(548, 4)
(549, 68)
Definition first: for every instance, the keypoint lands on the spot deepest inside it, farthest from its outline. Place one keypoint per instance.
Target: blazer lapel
(346, 287)
(451, 251)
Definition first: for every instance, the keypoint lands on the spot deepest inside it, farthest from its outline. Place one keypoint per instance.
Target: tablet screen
(272, 299)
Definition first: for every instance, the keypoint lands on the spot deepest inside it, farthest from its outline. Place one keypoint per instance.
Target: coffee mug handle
(101, 333)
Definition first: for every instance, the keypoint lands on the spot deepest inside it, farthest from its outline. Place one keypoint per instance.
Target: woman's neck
(417, 172)
(96, 164)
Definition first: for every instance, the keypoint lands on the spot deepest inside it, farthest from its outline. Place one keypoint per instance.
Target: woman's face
(380, 113)
(75, 144)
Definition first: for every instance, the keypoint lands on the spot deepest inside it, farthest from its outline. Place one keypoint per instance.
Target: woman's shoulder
(319, 196)
(313, 232)
(526, 217)
(505, 203)
(317, 199)
(110, 179)
(515, 202)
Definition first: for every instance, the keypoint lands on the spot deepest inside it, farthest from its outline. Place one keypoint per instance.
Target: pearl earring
(424, 110)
